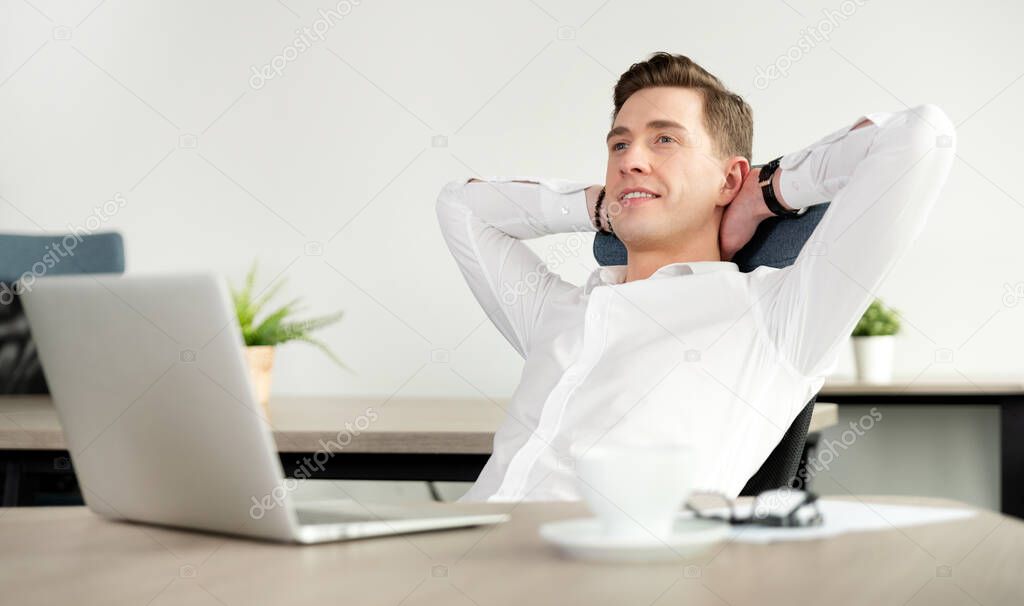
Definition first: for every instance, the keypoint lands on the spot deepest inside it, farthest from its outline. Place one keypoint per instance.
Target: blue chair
(26, 483)
(74, 254)
(776, 243)
(50, 255)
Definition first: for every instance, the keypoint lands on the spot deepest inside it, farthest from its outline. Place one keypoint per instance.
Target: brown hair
(727, 117)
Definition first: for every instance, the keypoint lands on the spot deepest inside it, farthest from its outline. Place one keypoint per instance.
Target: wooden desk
(403, 425)
(68, 555)
(410, 439)
(1006, 393)
(926, 390)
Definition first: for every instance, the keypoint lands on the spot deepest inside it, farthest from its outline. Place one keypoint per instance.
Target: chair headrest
(59, 254)
(776, 243)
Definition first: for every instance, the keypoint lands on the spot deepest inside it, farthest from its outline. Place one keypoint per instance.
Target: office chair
(776, 243)
(49, 255)
(20, 370)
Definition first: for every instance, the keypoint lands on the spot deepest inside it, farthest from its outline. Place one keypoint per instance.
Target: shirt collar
(615, 274)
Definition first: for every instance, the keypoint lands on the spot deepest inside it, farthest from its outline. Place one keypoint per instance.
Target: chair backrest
(780, 468)
(776, 243)
(37, 256)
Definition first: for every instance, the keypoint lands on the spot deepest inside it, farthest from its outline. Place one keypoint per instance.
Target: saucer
(584, 538)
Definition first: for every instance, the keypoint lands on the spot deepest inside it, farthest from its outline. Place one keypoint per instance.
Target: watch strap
(772, 202)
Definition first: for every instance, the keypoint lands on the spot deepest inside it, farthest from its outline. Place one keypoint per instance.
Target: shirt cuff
(563, 203)
(798, 189)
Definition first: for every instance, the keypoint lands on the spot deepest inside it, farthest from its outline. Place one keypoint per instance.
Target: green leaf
(269, 331)
(327, 351)
(877, 320)
(277, 326)
(243, 299)
(265, 298)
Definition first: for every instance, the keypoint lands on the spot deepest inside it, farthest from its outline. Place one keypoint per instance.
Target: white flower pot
(874, 356)
(261, 365)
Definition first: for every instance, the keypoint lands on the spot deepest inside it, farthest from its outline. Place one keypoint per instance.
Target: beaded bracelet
(597, 210)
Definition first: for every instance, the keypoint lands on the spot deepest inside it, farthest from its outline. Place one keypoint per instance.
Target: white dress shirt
(699, 354)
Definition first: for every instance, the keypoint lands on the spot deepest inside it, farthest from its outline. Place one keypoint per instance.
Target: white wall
(153, 100)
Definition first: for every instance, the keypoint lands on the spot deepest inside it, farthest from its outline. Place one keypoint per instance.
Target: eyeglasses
(784, 507)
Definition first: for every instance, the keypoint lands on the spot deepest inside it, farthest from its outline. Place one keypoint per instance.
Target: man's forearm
(798, 189)
(592, 193)
(780, 190)
(551, 206)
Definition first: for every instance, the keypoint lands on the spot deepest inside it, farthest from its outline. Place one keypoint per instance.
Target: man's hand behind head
(743, 215)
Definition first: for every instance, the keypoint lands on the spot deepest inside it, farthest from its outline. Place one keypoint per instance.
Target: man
(678, 346)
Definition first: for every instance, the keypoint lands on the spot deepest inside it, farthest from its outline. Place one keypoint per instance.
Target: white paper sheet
(850, 516)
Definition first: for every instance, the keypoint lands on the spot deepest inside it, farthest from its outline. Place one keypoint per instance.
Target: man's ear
(736, 170)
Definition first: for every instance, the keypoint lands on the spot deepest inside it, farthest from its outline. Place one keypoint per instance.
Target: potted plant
(874, 342)
(275, 327)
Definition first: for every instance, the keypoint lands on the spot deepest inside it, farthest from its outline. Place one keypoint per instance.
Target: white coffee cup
(635, 490)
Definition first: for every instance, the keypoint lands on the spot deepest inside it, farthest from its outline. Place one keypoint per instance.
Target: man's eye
(660, 137)
(615, 146)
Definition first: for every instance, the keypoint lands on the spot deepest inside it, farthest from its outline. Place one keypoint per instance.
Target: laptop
(150, 383)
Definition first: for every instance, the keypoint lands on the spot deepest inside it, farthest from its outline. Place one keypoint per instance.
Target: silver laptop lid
(151, 387)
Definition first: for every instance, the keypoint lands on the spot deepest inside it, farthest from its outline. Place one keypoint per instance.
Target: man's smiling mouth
(633, 197)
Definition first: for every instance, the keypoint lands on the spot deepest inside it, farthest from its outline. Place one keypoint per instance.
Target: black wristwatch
(764, 179)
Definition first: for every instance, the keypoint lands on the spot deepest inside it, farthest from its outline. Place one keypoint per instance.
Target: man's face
(658, 143)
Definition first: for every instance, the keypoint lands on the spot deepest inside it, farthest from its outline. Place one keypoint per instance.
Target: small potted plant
(272, 329)
(874, 342)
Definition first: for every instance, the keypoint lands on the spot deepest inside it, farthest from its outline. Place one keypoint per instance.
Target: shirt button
(565, 210)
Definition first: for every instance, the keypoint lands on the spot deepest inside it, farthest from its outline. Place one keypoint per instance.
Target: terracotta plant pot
(874, 356)
(261, 365)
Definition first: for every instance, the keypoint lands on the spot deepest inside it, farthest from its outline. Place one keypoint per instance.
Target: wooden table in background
(432, 439)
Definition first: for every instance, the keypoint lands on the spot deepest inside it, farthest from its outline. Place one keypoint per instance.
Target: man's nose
(634, 161)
